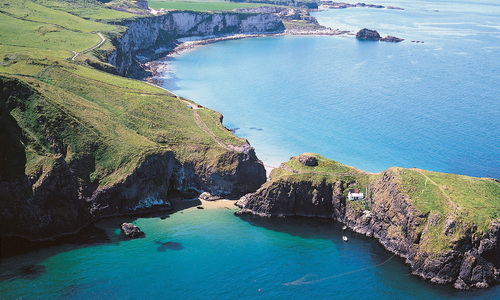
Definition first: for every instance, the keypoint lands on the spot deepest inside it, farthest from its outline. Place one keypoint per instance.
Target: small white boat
(344, 238)
(344, 227)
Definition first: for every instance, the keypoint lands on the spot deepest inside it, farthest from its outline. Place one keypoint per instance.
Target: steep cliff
(446, 226)
(77, 150)
(147, 34)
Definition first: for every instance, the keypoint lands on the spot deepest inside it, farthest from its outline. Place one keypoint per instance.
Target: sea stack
(368, 34)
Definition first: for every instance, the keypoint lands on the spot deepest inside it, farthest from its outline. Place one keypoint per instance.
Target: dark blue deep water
(434, 105)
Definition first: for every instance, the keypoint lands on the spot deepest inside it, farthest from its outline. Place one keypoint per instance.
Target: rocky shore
(442, 248)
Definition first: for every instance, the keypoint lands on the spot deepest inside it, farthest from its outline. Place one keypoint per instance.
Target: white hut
(355, 194)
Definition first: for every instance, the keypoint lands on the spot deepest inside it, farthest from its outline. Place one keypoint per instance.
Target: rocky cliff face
(55, 196)
(144, 35)
(472, 261)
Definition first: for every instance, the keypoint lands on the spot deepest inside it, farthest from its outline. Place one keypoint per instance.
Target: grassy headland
(470, 203)
(85, 112)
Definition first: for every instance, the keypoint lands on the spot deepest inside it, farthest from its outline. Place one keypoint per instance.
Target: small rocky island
(373, 35)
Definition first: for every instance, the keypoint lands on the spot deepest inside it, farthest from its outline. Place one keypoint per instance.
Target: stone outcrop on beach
(439, 248)
(147, 34)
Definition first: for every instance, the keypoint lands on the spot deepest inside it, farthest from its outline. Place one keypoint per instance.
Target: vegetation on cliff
(446, 226)
(472, 203)
(63, 110)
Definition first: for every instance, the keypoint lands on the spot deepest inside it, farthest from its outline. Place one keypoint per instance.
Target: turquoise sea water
(221, 256)
(371, 105)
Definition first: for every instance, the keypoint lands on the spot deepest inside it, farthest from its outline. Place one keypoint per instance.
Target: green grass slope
(470, 203)
(82, 113)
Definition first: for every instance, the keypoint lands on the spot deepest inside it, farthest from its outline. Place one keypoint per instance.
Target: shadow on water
(32, 254)
(395, 274)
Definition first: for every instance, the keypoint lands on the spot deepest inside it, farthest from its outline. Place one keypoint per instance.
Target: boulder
(308, 160)
(131, 230)
(368, 34)
(208, 197)
(391, 39)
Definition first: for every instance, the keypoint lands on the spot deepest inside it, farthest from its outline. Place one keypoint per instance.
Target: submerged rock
(131, 230)
(169, 245)
(33, 271)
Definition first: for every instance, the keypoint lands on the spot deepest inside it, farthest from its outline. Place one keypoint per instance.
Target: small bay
(373, 105)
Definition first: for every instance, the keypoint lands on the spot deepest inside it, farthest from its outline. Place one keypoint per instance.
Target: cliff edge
(446, 226)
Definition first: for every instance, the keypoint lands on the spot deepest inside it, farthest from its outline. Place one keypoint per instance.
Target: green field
(201, 5)
(111, 120)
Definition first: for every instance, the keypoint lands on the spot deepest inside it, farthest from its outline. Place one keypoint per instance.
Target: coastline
(158, 66)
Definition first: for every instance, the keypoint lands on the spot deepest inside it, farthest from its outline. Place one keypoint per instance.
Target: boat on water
(344, 227)
(344, 238)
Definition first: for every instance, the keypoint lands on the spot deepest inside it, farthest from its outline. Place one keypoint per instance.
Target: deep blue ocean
(434, 105)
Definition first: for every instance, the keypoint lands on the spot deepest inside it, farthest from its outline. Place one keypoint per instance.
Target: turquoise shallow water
(372, 105)
(222, 257)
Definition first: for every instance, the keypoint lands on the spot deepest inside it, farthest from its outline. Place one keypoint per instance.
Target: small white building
(355, 194)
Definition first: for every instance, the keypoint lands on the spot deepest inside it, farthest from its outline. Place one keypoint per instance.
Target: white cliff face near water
(146, 33)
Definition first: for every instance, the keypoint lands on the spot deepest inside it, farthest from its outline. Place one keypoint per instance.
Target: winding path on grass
(103, 39)
(204, 127)
(442, 189)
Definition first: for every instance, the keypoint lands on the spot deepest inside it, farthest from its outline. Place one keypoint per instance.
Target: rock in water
(131, 230)
(310, 161)
(368, 34)
(391, 39)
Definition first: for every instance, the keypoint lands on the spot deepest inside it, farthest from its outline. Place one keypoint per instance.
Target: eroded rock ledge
(441, 245)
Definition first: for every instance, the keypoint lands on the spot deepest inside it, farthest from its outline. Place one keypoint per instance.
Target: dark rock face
(132, 231)
(308, 160)
(393, 220)
(246, 175)
(368, 34)
(150, 33)
(60, 199)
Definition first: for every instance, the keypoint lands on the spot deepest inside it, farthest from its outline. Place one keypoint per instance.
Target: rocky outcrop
(391, 39)
(309, 161)
(368, 34)
(130, 230)
(146, 35)
(473, 261)
(373, 35)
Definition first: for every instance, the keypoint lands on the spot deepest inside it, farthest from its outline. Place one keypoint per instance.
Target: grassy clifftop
(469, 203)
(77, 111)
